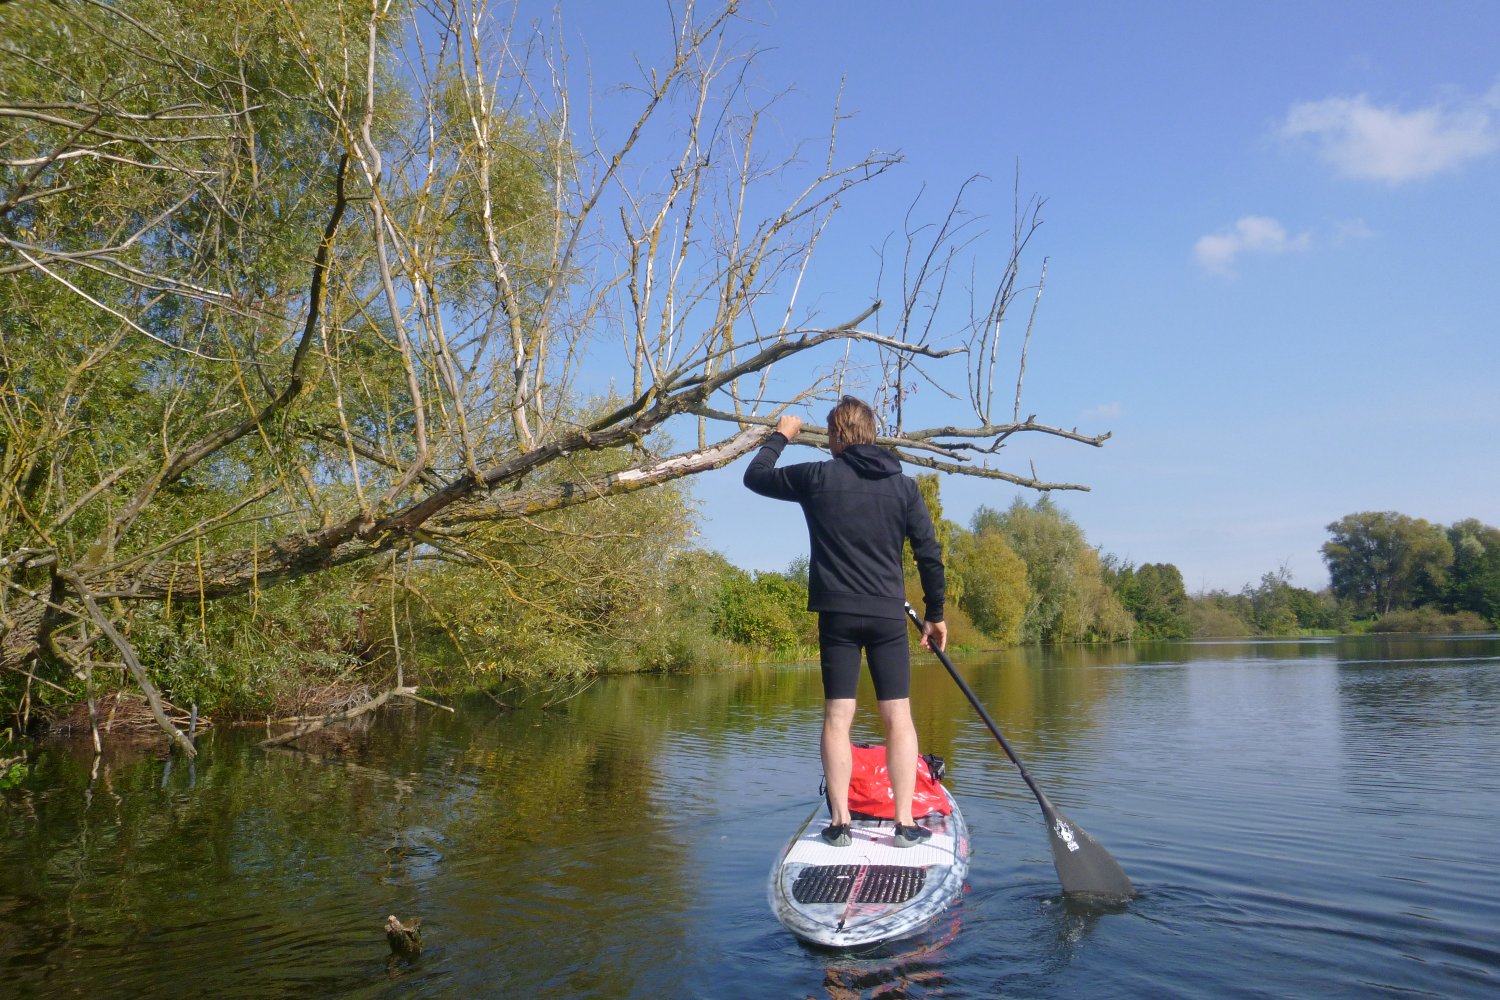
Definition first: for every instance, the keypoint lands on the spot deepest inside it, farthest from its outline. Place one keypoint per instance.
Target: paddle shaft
(963, 686)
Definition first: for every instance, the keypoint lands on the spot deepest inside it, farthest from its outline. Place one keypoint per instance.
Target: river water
(1316, 818)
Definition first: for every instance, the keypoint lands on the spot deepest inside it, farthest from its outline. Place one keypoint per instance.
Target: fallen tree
(299, 287)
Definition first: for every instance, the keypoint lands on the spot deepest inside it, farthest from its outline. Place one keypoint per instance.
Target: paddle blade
(1083, 866)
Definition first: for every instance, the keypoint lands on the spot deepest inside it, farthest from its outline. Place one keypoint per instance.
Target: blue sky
(1273, 244)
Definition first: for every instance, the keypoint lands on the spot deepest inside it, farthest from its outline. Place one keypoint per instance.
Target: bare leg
(838, 759)
(900, 754)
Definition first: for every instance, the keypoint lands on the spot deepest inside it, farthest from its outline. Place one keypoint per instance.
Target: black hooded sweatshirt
(860, 511)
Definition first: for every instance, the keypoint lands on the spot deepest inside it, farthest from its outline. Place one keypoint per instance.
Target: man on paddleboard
(860, 512)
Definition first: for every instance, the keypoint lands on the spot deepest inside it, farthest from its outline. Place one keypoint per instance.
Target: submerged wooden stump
(405, 939)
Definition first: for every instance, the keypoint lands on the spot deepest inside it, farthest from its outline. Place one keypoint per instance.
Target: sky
(1272, 239)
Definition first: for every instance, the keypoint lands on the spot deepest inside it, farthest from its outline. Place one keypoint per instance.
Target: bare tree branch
(127, 652)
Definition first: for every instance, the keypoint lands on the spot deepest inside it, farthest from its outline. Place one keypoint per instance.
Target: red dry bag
(870, 795)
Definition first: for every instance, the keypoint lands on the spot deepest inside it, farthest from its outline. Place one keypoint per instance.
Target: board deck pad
(872, 890)
(877, 883)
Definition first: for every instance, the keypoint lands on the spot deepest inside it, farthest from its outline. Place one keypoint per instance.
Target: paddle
(1083, 866)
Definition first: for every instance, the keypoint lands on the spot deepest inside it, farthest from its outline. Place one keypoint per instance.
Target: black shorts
(841, 637)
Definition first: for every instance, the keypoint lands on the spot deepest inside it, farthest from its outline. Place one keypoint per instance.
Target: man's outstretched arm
(762, 476)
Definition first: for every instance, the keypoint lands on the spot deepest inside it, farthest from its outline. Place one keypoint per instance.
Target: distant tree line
(1387, 573)
(1026, 574)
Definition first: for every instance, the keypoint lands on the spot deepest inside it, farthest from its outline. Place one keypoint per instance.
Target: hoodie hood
(871, 461)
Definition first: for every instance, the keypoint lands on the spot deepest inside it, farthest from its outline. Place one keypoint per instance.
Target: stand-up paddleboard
(871, 890)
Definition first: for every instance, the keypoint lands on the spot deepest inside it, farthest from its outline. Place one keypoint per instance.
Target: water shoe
(909, 836)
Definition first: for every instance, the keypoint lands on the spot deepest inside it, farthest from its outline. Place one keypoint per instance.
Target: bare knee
(896, 716)
(838, 714)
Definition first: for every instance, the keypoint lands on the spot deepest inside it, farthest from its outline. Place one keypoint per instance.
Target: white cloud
(1251, 234)
(1350, 230)
(1104, 411)
(1367, 141)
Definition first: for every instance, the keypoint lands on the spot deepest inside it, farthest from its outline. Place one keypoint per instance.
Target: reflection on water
(1293, 813)
(900, 970)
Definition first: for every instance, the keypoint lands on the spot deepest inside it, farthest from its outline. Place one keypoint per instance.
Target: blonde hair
(851, 422)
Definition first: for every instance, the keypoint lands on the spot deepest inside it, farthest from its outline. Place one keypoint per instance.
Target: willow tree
(1381, 561)
(292, 287)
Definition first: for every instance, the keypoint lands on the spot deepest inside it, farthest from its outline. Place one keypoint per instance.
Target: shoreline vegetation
(1022, 576)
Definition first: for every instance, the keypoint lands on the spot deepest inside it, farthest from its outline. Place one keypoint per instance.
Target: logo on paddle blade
(1065, 834)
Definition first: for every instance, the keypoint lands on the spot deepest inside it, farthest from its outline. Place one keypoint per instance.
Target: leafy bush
(1218, 615)
(12, 772)
(1431, 620)
(765, 611)
(13, 769)
(253, 653)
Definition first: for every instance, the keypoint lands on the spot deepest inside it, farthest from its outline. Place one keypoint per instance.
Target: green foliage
(565, 594)
(680, 635)
(503, 191)
(765, 611)
(1389, 572)
(1381, 561)
(1094, 598)
(1219, 614)
(12, 773)
(1095, 613)
(1071, 601)
(13, 769)
(1474, 583)
(237, 116)
(193, 174)
(1317, 611)
(1272, 610)
(1155, 596)
(929, 486)
(996, 595)
(1431, 620)
(947, 533)
(1274, 607)
(253, 654)
(963, 634)
(1046, 540)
